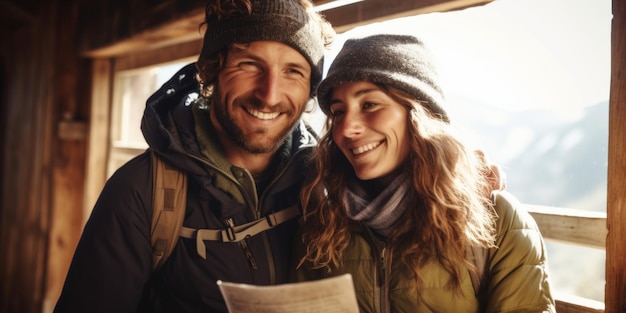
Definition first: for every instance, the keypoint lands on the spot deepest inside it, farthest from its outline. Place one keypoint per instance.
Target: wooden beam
(13, 12)
(177, 32)
(98, 140)
(69, 113)
(580, 227)
(573, 304)
(190, 49)
(343, 18)
(615, 292)
(371, 11)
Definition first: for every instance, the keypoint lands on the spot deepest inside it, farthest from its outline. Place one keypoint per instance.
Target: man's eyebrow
(303, 66)
(244, 53)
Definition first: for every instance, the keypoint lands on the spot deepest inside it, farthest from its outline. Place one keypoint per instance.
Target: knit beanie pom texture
(284, 21)
(399, 61)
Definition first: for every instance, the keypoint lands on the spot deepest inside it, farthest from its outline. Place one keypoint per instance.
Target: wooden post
(615, 294)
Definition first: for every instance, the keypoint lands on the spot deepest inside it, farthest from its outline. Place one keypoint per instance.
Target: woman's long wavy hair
(452, 208)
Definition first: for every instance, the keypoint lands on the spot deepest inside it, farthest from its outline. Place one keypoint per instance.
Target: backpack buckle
(272, 220)
(230, 233)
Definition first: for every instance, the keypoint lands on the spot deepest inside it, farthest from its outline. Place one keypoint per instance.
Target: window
(528, 81)
(131, 90)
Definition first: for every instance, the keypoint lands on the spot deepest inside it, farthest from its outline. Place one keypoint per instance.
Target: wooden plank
(190, 49)
(178, 31)
(581, 227)
(26, 168)
(98, 142)
(371, 11)
(574, 304)
(615, 292)
(70, 106)
(72, 130)
(137, 24)
(68, 175)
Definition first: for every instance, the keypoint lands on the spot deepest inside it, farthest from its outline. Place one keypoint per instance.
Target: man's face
(260, 94)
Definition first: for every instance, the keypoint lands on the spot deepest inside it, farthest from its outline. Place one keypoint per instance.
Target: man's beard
(236, 134)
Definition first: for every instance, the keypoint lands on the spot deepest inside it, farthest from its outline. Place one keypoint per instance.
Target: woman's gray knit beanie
(399, 61)
(284, 21)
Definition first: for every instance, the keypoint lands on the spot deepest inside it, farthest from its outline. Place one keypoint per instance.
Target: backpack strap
(239, 232)
(168, 204)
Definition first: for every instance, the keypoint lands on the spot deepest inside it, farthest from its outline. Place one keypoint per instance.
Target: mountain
(556, 160)
(549, 159)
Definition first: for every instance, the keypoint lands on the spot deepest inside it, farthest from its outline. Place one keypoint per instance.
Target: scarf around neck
(383, 211)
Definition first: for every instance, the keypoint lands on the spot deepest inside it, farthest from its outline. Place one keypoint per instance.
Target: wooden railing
(577, 227)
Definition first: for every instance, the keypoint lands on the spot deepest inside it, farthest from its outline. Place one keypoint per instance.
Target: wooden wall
(26, 167)
(46, 104)
(43, 158)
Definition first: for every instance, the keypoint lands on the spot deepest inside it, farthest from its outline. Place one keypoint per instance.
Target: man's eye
(293, 71)
(248, 66)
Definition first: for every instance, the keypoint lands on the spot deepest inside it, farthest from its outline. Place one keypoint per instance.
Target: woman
(402, 204)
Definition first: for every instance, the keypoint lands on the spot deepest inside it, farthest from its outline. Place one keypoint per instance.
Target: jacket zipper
(383, 269)
(256, 213)
(382, 272)
(229, 221)
(246, 250)
(268, 248)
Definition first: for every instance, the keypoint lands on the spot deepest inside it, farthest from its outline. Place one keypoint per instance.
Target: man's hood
(168, 123)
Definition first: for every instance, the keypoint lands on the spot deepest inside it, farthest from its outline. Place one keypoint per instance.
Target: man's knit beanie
(284, 21)
(399, 61)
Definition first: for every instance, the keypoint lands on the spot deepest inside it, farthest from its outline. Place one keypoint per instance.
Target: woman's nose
(351, 124)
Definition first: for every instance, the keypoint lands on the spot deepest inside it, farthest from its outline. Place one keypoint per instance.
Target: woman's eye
(368, 105)
(336, 112)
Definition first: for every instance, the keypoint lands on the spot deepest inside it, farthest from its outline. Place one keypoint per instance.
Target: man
(232, 123)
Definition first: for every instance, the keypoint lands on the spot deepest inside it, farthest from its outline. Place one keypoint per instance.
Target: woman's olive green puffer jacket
(516, 281)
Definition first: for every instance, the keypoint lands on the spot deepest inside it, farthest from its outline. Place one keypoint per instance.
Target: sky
(517, 54)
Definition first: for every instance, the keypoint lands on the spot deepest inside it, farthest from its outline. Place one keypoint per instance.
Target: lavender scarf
(382, 212)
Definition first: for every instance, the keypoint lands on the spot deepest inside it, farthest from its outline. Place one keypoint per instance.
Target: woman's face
(370, 128)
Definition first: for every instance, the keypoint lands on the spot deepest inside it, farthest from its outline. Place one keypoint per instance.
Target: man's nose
(268, 88)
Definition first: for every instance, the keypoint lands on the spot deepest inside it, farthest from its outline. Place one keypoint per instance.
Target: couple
(389, 194)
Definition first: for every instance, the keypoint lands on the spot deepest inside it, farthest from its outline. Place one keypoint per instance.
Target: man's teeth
(365, 148)
(263, 115)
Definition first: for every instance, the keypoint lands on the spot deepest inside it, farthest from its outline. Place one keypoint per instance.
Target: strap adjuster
(272, 220)
(229, 233)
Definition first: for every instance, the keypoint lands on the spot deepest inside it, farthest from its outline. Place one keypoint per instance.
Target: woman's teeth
(365, 148)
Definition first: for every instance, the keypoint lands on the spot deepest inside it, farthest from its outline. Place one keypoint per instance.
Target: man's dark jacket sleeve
(113, 260)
